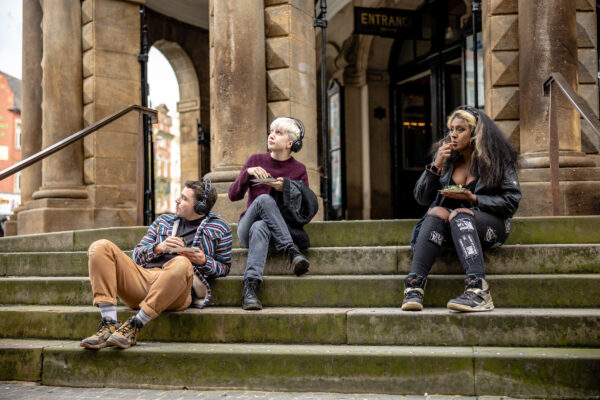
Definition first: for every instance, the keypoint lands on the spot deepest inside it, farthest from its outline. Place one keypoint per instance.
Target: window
(18, 134)
(18, 182)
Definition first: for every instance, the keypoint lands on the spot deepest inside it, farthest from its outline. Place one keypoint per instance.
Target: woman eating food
(472, 190)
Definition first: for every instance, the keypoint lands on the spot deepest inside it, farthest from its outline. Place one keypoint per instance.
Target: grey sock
(143, 317)
(108, 310)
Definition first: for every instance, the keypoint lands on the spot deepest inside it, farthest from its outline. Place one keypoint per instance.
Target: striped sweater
(213, 237)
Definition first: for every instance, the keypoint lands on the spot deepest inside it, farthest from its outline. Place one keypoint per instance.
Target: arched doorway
(194, 156)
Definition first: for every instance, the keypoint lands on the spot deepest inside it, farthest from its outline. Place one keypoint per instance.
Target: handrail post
(553, 148)
(140, 172)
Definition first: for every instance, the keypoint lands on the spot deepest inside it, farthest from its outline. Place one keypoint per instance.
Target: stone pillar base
(10, 227)
(565, 159)
(54, 215)
(578, 189)
(226, 208)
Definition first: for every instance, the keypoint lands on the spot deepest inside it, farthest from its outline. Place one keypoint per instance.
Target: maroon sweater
(290, 168)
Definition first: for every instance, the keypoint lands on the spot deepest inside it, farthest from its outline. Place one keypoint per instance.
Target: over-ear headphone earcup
(201, 206)
(297, 145)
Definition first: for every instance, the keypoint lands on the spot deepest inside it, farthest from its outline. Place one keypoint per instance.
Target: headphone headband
(471, 110)
(201, 206)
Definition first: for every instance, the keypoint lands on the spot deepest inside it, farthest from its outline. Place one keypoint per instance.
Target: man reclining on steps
(279, 204)
(162, 272)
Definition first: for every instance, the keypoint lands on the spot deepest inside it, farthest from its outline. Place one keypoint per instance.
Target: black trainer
(250, 300)
(414, 290)
(297, 260)
(476, 296)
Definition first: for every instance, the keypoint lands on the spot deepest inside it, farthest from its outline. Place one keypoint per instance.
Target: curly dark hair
(198, 188)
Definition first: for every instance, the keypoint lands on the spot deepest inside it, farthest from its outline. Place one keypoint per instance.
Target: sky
(163, 83)
(11, 19)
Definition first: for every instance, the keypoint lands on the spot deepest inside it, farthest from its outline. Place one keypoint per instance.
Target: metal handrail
(584, 110)
(85, 132)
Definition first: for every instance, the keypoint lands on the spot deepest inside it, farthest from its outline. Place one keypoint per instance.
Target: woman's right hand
(442, 155)
(258, 172)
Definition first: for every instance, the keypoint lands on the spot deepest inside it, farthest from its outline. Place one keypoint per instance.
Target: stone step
(526, 290)
(526, 230)
(371, 326)
(493, 371)
(508, 259)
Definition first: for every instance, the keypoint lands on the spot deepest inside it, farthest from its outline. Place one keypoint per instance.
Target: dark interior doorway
(427, 83)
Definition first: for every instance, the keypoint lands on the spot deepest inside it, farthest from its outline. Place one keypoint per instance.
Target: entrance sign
(388, 22)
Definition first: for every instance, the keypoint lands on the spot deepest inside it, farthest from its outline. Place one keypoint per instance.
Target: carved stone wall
(111, 42)
(501, 59)
(291, 73)
(587, 54)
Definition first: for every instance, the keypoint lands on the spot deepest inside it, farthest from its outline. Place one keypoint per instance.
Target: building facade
(10, 142)
(395, 69)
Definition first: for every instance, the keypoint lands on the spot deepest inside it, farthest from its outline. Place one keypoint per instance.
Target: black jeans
(471, 234)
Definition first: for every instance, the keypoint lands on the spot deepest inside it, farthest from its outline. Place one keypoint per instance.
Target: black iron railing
(557, 81)
(141, 154)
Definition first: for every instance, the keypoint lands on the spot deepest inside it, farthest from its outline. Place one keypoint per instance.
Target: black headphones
(297, 145)
(201, 206)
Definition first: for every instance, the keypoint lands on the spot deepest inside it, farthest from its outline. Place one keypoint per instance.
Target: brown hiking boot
(98, 340)
(124, 337)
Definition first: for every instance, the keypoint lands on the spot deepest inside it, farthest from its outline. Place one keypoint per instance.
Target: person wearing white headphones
(178, 252)
(277, 185)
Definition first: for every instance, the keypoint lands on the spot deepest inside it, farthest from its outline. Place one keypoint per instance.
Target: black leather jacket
(501, 201)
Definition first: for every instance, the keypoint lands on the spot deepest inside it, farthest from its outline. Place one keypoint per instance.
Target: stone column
(31, 108)
(543, 51)
(56, 206)
(548, 42)
(358, 171)
(237, 92)
(31, 105)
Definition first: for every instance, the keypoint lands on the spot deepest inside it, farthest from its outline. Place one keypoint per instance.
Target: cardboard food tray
(183, 250)
(263, 180)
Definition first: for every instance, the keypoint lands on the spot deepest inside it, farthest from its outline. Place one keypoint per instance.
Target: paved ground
(28, 391)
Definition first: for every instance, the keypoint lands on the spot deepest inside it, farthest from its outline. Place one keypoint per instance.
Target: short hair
(198, 188)
(288, 126)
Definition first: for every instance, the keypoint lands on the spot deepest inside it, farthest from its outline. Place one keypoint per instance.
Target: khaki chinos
(113, 274)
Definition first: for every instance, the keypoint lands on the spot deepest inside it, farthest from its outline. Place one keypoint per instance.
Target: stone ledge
(523, 290)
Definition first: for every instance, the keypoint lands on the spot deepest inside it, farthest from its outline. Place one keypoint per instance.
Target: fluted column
(238, 111)
(62, 102)
(61, 201)
(31, 106)
(544, 51)
(548, 42)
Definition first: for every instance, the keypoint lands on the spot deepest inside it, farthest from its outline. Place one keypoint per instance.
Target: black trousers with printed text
(470, 235)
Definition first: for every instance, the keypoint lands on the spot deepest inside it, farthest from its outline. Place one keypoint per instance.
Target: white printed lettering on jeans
(468, 247)
(464, 225)
(436, 237)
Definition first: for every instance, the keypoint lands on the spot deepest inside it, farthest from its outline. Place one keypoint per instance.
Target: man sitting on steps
(162, 271)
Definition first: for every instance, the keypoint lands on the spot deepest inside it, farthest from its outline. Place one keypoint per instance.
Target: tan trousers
(113, 273)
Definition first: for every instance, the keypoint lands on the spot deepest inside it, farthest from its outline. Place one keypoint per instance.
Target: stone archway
(188, 108)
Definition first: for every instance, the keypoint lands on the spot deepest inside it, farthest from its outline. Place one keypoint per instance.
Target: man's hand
(258, 172)
(466, 195)
(442, 155)
(170, 243)
(277, 185)
(197, 258)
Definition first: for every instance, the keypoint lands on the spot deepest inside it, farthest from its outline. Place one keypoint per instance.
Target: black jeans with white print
(470, 234)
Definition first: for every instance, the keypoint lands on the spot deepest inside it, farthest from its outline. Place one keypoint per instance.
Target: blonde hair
(288, 126)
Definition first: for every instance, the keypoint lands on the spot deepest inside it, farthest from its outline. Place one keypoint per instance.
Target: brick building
(10, 141)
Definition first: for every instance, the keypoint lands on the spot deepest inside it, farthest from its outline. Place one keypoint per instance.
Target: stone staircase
(338, 329)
